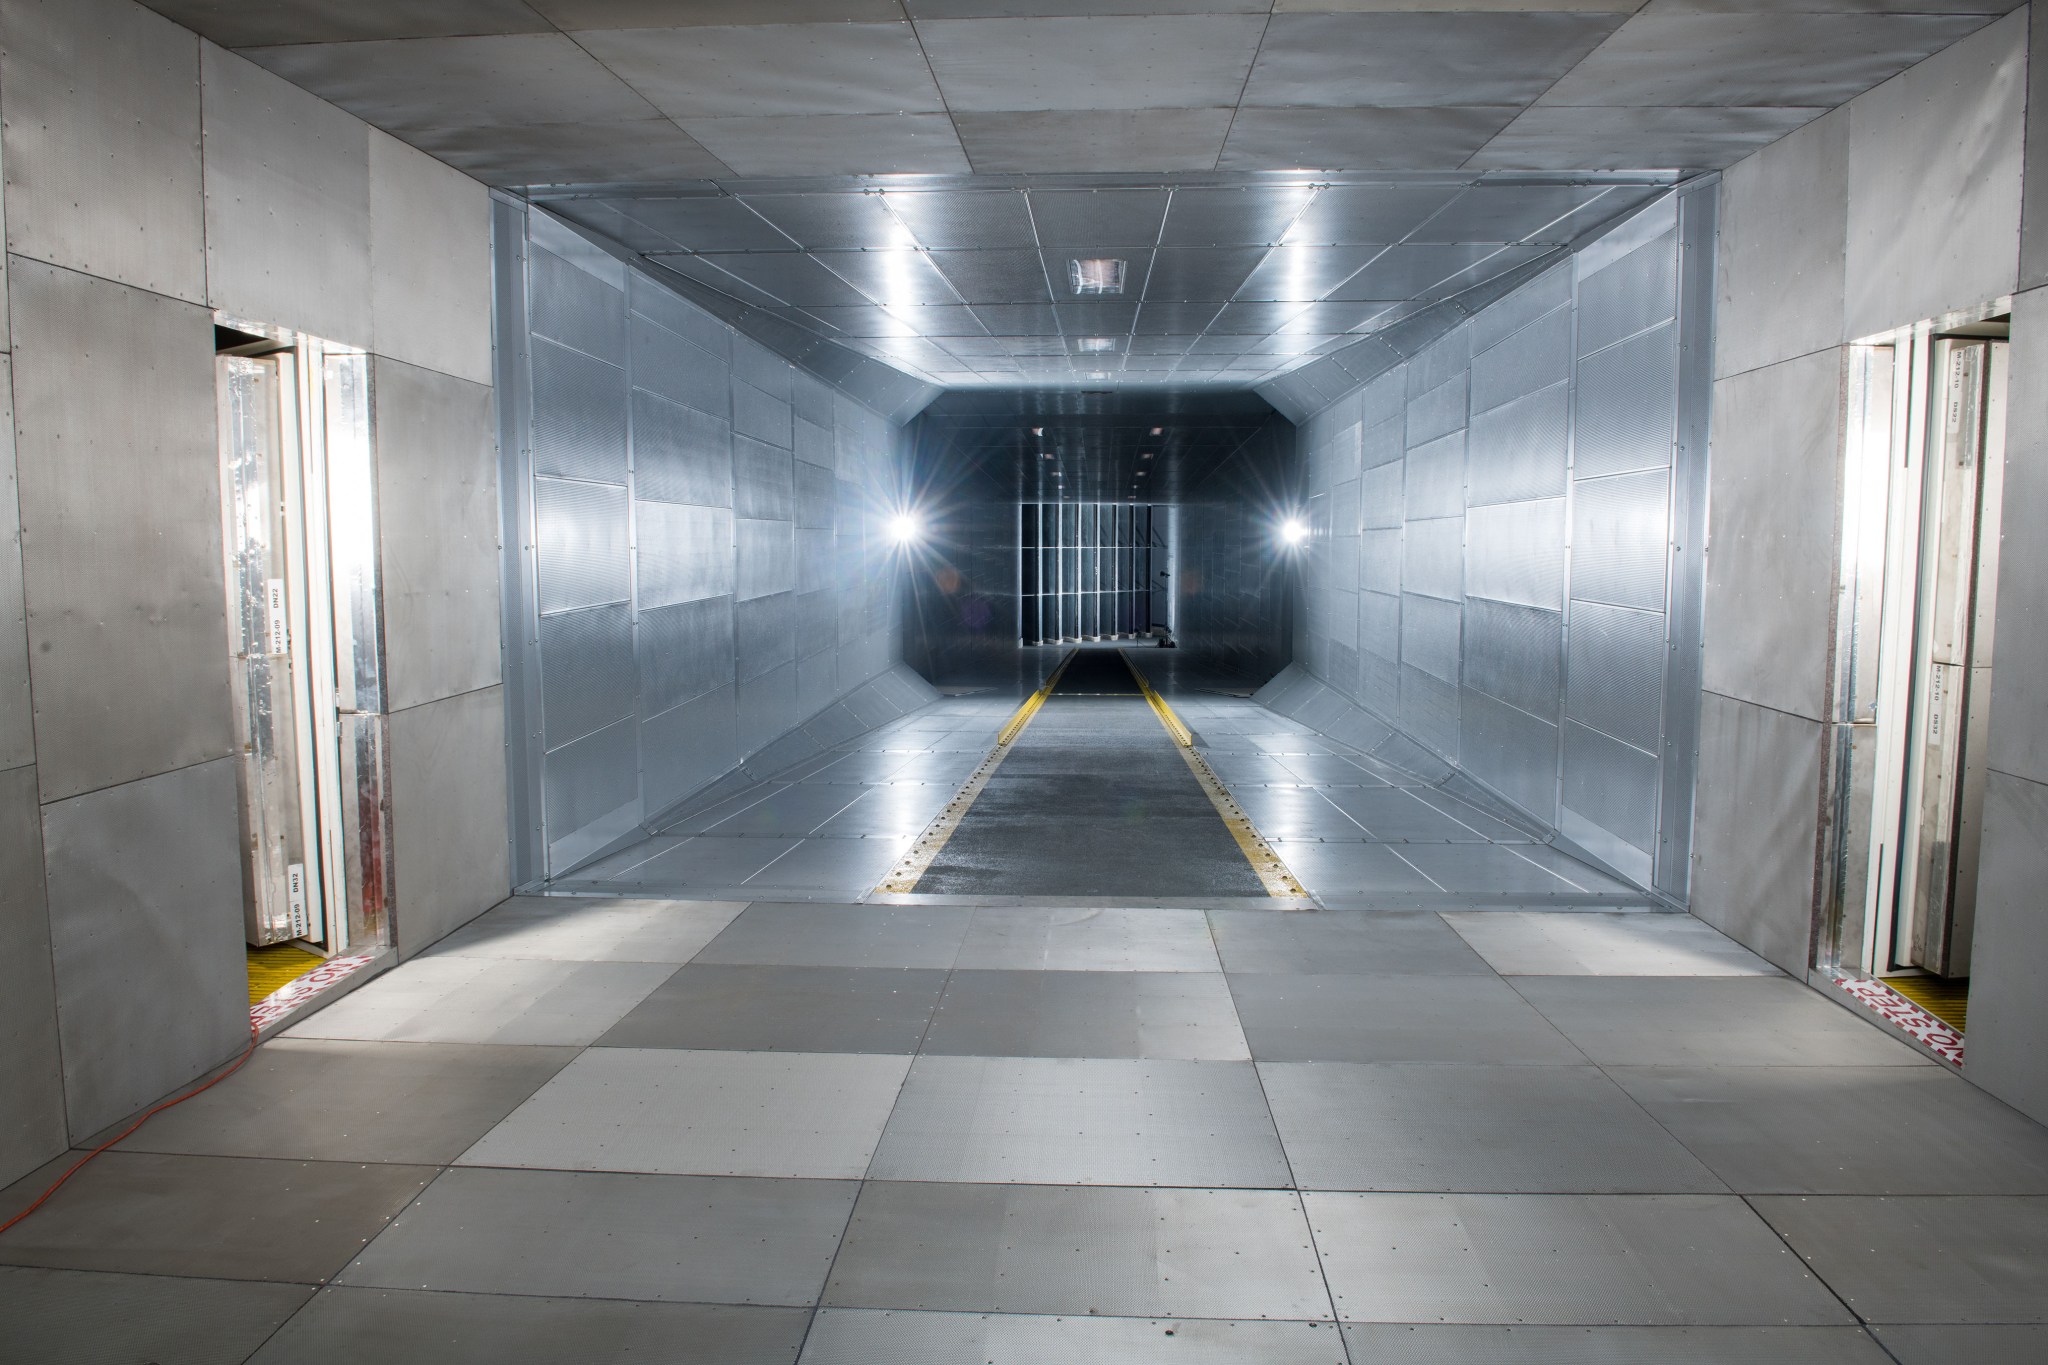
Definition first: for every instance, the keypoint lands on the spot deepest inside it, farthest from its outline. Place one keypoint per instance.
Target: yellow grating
(1946, 1000)
(272, 967)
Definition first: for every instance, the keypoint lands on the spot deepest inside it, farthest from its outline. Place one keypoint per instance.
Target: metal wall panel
(591, 789)
(1514, 552)
(756, 365)
(31, 1070)
(763, 631)
(1429, 708)
(17, 713)
(1430, 635)
(1439, 363)
(568, 304)
(1382, 443)
(1434, 484)
(679, 453)
(815, 444)
(1621, 529)
(1520, 449)
(761, 416)
(582, 544)
(1379, 625)
(685, 651)
(671, 366)
(1533, 358)
(764, 479)
(767, 708)
(588, 678)
(1433, 557)
(686, 748)
(1436, 412)
(1612, 785)
(1630, 295)
(1514, 654)
(448, 795)
(1628, 405)
(1551, 289)
(685, 553)
(1617, 672)
(1511, 751)
(430, 237)
(1380, 497)
(766, 559)
(579, 415)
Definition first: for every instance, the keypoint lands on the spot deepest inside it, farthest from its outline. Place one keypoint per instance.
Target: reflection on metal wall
(1507, 560)
(697, 537)
(1231, 572)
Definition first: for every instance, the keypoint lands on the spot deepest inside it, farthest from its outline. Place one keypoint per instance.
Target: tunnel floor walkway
(755, 1134)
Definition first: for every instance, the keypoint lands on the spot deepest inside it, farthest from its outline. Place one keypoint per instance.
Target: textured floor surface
(631, 1130)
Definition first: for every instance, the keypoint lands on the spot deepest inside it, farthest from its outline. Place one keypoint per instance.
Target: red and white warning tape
(1896, 1009)
(299, 990)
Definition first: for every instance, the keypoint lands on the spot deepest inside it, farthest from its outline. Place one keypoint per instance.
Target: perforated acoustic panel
(1511, 512)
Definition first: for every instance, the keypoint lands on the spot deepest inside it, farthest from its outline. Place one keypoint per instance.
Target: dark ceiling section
(1027, 446)
(1224, 282)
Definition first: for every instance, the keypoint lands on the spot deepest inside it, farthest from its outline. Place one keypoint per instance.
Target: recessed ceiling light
(1097, 344)
(1146, 456)
(1096, 275)
(1159, 431)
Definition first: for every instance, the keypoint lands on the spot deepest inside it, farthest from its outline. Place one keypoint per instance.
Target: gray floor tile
(591, 929)
(794, 810)
(319, 1099)
(1393, 1019)
(1484, 822)
(1346, 869)
(1045, 1249)
(1490, 869)
(859, 768)
(1556, 943)
(1329, 770)
(215, 1217)
(1969, 1258)
(488, 1000)
(669, 1112)
(676, 1238)
(1376, 943)
(1504, 1129)
(1709, 1021)
(1405, 1344)
(869, 1336)
(1296, 813)
(1576, 872)
(1845, 1130)
(1084, 940)
(843, 866)
(1567, 1260)
(1185, 1015)
(709, 860)
(1064, 1121)
(55, 1317)
(348, 1326)
(1253, 770)
(628, 858)
(716, 1007)
(703, 819)
(2023, 1345)
(900, 810)
(1391, 815)
(841, 936)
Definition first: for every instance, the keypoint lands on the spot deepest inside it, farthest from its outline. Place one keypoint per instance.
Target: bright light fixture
(1096, 275)
(1096, 344)
(1293, 531)
(903, 528)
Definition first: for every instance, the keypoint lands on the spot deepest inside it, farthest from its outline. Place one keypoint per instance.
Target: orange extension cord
(77, 1166)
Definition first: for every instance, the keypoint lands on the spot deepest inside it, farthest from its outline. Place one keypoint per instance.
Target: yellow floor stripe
(1273, 873)
(272, 967)
(1946, 1000)
(904, 878)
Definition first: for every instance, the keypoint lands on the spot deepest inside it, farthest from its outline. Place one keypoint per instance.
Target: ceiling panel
(1330, 318)
(708, 223)
(895, 279)
(967, 220)
(425, 83)
(1112, 62)
(1090, 218)
(1200, 273)
(704, 272)
(1246, 318)
(1404, 272)
(793, 277)
(1547, 138)
(1302, 274)
(833, 144)
(821, 222)
(1167, 319)
(995, 276)
(1512, 213)
(1345, 215)
(1668, 58)
(237, 23)
(864, 322)
(647, 150)
(1065, 142)
(1227, 217)
(1018, 319)
(1338, 139)
(575, 14)
(1419, 59)
(758, 69)
(1096, 318)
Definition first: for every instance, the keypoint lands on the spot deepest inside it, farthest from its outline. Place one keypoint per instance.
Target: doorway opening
(299, 512)
(1922, 490)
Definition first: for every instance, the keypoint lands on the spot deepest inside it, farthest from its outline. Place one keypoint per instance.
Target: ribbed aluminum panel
(1344, 504)
(587, 673)
(589, 779)
(764, 480)
(1383, 399)
(582, 543)
(579, 415)
(755, 364)
(815, 444)
(1533, 358)
(1620, 530)
(1343, 618)
(1612, 785)
(1345, 557)
(679, 371)
(811, 397)
(1513, 653)
(1379, 568)
(1551, 289)
(1429, 708)
(816, 496)
(679, 453)
(574, 307)
(1433, 558)
(1616, 678)
(1430, 632)
(686, 650)
(661, 305)
(686, 747)
(1439, 362)
(1345, 447)
(1514, 552)
(1434, 482)
(1380, 498)
(767, 707)
(1519, 450)
(1636, 292)
(1628, 405)
(763, 630)
(814, 560)
(1511, 751)
(1437, 412)
(1379, 625)
(685, 553)
(767, 557)
(760, 415)
(815, 623)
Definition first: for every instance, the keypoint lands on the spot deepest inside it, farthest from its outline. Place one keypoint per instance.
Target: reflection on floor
(1357, 832)
(702, 1132)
